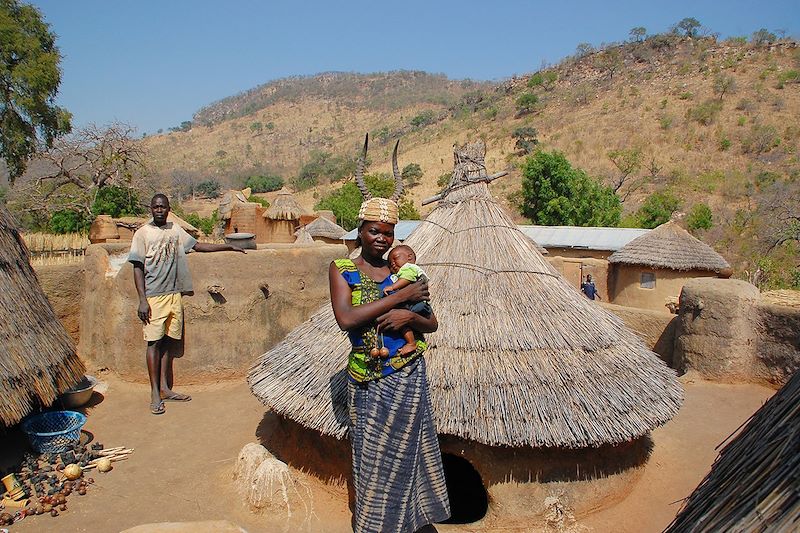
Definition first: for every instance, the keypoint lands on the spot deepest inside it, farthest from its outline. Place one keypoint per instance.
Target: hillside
(712, 120)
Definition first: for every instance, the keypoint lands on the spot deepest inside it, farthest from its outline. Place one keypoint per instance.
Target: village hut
(650, 271)
(282, 217)
(322, 229)
(753, 484)
(37, 356)
(532, 385)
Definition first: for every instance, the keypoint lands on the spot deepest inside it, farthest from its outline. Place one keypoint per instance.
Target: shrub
(443, 180)
(724, 144)
(763, 37)
(204, 224)
(412, 174)
(665, 122)
(526, 102)
(208, 188)
(706, 112)
(423, 119)
(264, 183)
(761, 138)
(699, 217)
(69, 221)
(526, 139)
(789, 76)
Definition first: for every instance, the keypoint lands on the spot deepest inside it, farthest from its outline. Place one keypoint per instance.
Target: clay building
(274, 224)
(324, 230)
(650, 271)
(37, 356)
(546, 392)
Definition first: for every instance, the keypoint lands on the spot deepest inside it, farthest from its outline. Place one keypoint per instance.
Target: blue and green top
(361, 366)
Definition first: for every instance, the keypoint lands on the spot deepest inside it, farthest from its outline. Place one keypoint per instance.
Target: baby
(402, 261)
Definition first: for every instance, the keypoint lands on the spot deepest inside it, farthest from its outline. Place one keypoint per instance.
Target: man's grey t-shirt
(162, 251)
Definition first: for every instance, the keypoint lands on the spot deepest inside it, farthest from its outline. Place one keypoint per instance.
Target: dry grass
(51, 249)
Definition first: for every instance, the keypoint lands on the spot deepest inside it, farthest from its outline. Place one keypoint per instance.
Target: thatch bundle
(322, 227)
(753, 485)
(37, 356)
(521, 358)
(670, 246)
(284, 207)
(784, 297)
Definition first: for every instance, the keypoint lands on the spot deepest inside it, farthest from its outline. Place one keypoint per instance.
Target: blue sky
(152, 63)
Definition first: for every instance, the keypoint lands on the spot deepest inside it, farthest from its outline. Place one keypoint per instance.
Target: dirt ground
(181, 469)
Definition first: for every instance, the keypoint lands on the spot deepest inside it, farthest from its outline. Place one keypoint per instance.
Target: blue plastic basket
(53, 431)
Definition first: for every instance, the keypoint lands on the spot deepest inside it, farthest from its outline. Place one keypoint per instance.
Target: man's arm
(138, 279)
(208, 247)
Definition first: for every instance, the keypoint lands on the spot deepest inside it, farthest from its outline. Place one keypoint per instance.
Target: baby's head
(399, 256)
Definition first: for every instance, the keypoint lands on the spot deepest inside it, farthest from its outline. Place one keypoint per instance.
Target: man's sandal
(157, 408)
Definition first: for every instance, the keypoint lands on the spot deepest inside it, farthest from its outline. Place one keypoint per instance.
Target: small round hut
(282, 217)
(650, 271)
(753, 484)
(322, 229)
(37, 355)
(539, 395)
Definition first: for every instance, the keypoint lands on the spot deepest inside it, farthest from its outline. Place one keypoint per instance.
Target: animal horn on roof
(398, 178)
(362, 161)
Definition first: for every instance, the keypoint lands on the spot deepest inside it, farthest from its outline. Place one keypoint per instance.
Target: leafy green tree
(699, 217)
(638, 33)
(554, 193)
(117, 201)
(345, 201)
(526, 139)
(208, 188)
(657, 209)
(29, 80)
(526, 102)
(264, 183)
(69, 221)
(690, 26)
(412, 174)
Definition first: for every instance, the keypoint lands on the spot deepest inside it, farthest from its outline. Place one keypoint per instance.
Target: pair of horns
(362, 162)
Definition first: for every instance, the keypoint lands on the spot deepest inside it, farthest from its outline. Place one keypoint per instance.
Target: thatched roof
(753, 484)
(670, 246)
(322, 227)
(37, 356)
(284, 207)
(230, 200)
(302, 236)
(134, 223)
(521, 358)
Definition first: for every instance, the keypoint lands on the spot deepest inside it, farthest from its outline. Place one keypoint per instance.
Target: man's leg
(154, 371)
(167, 393)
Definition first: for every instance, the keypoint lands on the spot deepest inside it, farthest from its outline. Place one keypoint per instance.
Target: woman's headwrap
(376, 209)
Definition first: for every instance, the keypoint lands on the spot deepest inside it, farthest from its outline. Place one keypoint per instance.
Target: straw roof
(230, 200)
(302, 236)
(521, 358)
(37, 356)
(284, 207)
(322, 227)
(753, 484)
(670, 246)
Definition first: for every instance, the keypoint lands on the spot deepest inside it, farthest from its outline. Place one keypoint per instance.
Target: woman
(397, 466)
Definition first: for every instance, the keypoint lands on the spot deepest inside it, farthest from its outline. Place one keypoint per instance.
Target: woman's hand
(395, 320)
(416, 292)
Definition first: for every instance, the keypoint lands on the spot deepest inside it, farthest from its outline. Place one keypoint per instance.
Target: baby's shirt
(410, 272)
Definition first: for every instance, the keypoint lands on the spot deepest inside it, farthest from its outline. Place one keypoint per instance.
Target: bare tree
(629, 163)
(780, 209)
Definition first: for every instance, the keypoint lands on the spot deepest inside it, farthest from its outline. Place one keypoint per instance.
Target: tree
(68, 221)
(264, 183)
(638, 33)
(423, 119)
(763, 37)
(526, 103)
(526, 137)
(657, 209)
(324, 167)
(412, 174)
(629, 163)
(724, 84)
(345, 201)
(699, 217)
(690, 26)
(118, 202)
(583, 50)
(609, 61)
(29, 80)
(554, 193)
(208, 188)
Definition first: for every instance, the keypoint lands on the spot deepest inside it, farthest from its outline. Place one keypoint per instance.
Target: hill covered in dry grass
(711, 122)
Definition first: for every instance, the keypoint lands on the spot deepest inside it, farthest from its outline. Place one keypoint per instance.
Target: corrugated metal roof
(611, 239)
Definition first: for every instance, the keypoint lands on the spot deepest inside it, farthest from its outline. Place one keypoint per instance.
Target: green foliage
(204, 224)
(257, 127)
(724, 144)
(345, 201)
(526, 137)
(69, 221)
(699, 217)
(554, 193)
(526, 102)
(705, 113)
(186, 125)
(117, 201)
(263, 202)
(788, 76)
(545, 80)
(264, 183)
(761, 138)
(583, 50)
(763, 37)
(382, 135)
(657, 209)
(724, 84)
(690, 26)
(208, 188)
(423, 119)
(443, 180)
(638, 33)
(324, 167)
(412, 174)
(29, 80)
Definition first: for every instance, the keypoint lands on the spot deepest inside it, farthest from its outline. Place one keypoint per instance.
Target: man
(161, 274)
(589, 289)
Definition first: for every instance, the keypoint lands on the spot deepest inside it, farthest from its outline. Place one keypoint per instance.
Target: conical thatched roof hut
(302, 236)
(652, 269)
(670, 246)
(284, 207)
(520, 359)
(753, 484)
(37, 356)
(322, 228)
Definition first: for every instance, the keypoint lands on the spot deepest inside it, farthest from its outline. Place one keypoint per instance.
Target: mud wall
(254, 301)
(63, 285)
(726, 333)
(626, 289)
(656, 328)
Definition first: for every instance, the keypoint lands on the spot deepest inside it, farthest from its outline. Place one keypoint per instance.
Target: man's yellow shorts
(166, 317)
